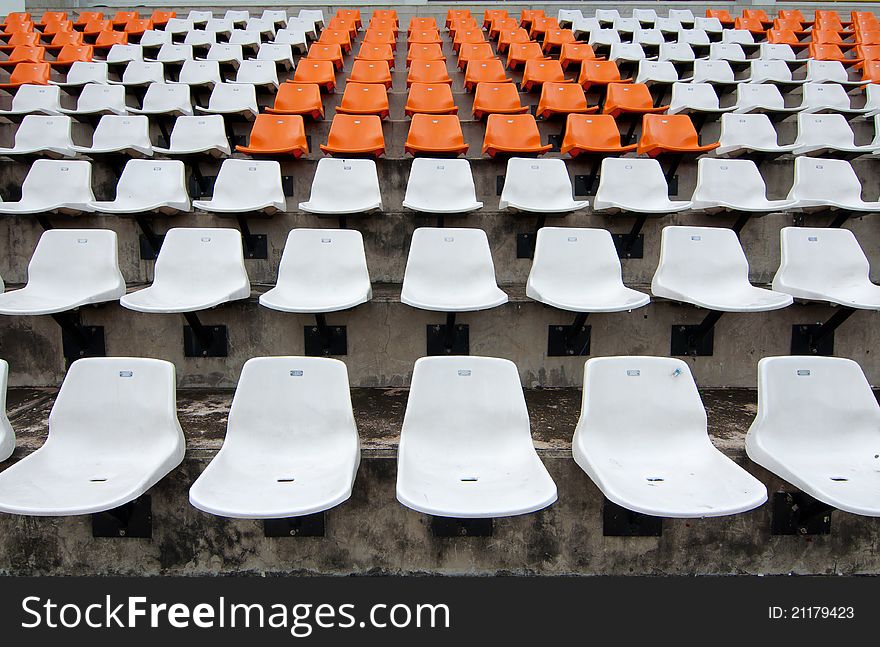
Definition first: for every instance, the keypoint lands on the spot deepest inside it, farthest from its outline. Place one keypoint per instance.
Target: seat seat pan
(131, 150)
(162, 300)
(698, 482)
(863, 296)
(751, 204)
(866, 207)
(814, 150)
(777, 150)
(447, 207)
(587, 298)
(337, 209)
(250, 488)
(514, 486)
(306, 299)
(739, 298)
(562, 205)
(243, 207)
(124, 207)
(453, 299)
(667, 206)
(30, 111)
(28, 301)
(22, 207)
(47, 151)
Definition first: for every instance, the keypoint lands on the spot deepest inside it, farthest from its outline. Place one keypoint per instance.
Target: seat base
(447, 527)
(211, 341)
(133, 520)
(797, 513)
(448, 339)
(618, 521)
(310, 525)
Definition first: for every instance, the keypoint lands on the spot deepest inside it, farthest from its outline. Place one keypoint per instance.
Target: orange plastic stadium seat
(379, 37)
(497, 98)
(460, 24)
(122, 17)
(355, 135)
(576, 53)
(385, 14)
(298, 99)
(491, 70)
(537, 73)
(784, 37)
(336, 37)
(322, 52)
(58, 27)
(364, 99)
(821, 15)
(868, 52)
(830, 24)
(424, 52)
(351, 14)
(371, 72)
(869, 38)
(17, 27)
(467, 36)
(85, 17)
(343, 24)
(25, 54)
(502, 24)
(491, 14)
(519, 53)
(526, 16)
(457, 14)
(376, 52)
(630, 98)
(430, 99)
(509, 36)
(22, 39)
(70, 54)
(670, 134)
(599, 73)
(435, 135)
(757, 14)
(723, 16)
(28, 74)
(421, 23)
(793, 14)
(425, 36)
(789, 25)
(865, 19)
(562, 99)
(97, 27)
(749, 24)
(138, 26)
(474, 52)
(50, 17)
(160, 18)
(383, 24)
(17, 17)
(64, 38)
(277, 135)
(541, 26)
(593, 135)
(514, 135)
(871, 71)
(821, 52)
(321, 72)
(427, 72)
(557, 38)
(107, 39)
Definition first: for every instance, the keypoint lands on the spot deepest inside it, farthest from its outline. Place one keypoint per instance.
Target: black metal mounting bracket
(499, 184)
(43, 220)
(555, 142)
(618, 521)
(200, 340)
(77, 340)
(840, 217)
(310, 525)
(256, 246)
(632, 244)
(447, 527)
(150, 241)
(322, 340)
(525, 242)
(587, 185)
(797, 513)
(448, 339)
(132, 520)
(570, 341)
(698, 340)
(818, 339)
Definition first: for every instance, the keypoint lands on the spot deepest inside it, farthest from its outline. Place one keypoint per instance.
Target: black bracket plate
(673, 185)
(525, 245)
(218, 346)
(310, 525)
(147, 251)
(561, 343)
(636, 250)
(618, 521)
(685, 343)
(499, 184)
(797, 513)
(333, 341)
(287, 185)
(555, 141)
(256, 247)
(446, 527)
(204, 187)
(89, 342)
(134, 520)
(436, 338)
(803, 340)
(580, 185)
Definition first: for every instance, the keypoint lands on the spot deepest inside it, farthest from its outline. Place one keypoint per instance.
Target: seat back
(339, 183)
(68, 182)
(750, 130)
(825, 179)
(199, 72)
(762, 95)
(832, 129)
(141, 72)
(166, 97)
(150, 181)
(248, 181)
(730, 181)
(669, 130)
(197, 132)
(820, 260)
(712, 72)
(82, 72)
(761, 71)
(570, 258)
(233, 96)
(116, 132)
(826, 72)
(40, 131)
(441, 182)
(98, 96)
(200, 257)
(696, 96)
(622, 178)
(31, 98)
(692, 258)
(536, 181)
(75, 261)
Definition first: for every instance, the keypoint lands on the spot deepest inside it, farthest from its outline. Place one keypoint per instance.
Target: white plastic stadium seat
(7, 436)
(199, 17)
(825, 265)
(174, 54)
(656, 458)
(634, 185)
(694, 98)
(244, 186)
(82, 72)
(200, 73)
(818, 426)
(295, 38)
(626, 53)
(233, 99)
(827, 134)
(828, 97)
(539, 186)
(656, 72)
(237, 17)
(344, 186)
(684, 16)
(441, 186)
(321, 270)
(710, 25)
(155, 38)
(450, 270)
(196, 269)
(713, 72)
(149, 186)
(733, 185)
(258, 73)
(43, 135)
(761, 97)
(777, 52)
(828, 72)
(578, 270)
(199, 134)
(706, 267)
(565, 17)
(120, 134)
(771, 71)
(645, 16)
(99, 99)
(821, 184)
(122, 54)
(676, 53)
(278, 53)
(35, 99)
(694, 37)
(142, 73)
(54, 186)
(291, 446)
(607, 15)
(166, 99)
(245, 37)
(731, 52)
(466, 448)
(199, 38)
(226, 53)
(745, 133)
(113, 434)
(742, 37)
(70, 268)
(652, 38)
